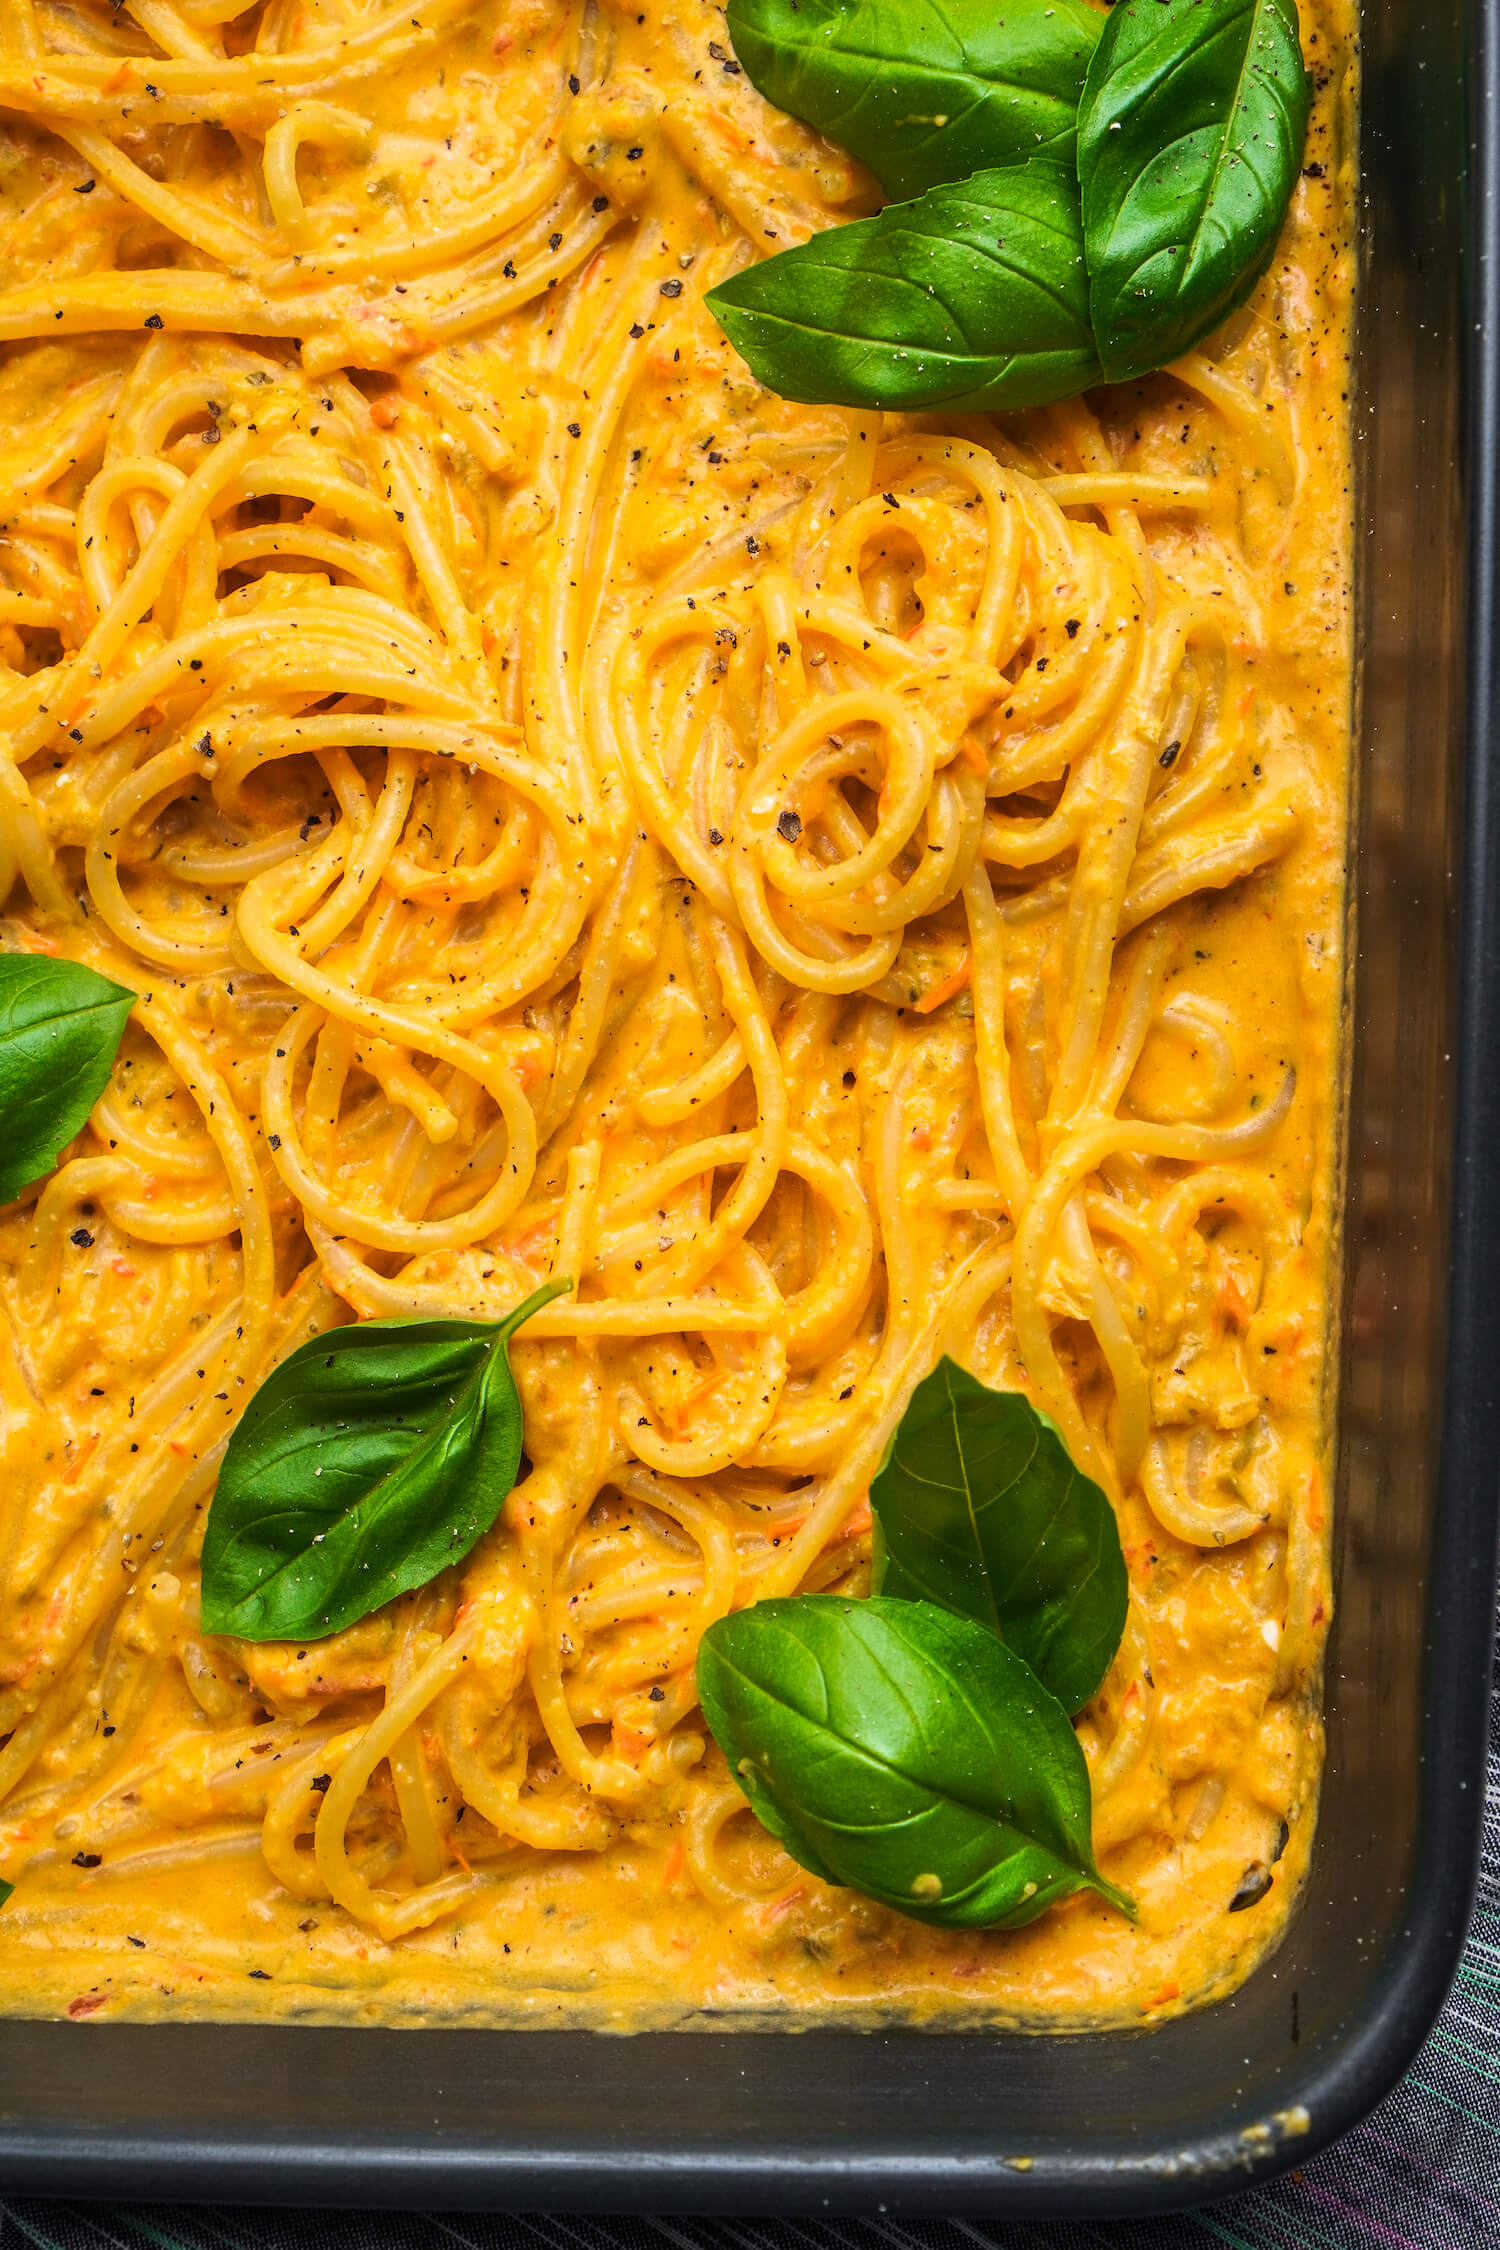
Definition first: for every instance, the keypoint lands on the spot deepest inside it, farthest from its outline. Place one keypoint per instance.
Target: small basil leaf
(1189, 140)
(979, 1508)
(371, 1459)
(60, 1025)
(5, 1891)
(974, 295)
(903, 1752)
(924, 91)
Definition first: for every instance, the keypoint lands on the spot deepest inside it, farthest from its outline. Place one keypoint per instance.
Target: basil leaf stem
(906, 1753)
(370, 1460)
(1190, 135)
(924, 91)
(973, 296)
(60, 1025)
(979, 1508)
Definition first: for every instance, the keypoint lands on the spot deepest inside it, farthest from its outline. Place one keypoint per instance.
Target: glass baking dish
(1093, 2125)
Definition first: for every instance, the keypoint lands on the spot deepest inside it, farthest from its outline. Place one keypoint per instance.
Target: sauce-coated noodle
(842, 887)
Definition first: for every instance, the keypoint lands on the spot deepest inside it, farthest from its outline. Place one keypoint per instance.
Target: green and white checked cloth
(1422, 2174)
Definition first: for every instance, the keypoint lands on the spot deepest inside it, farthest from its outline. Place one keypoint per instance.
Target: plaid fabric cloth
(1422, 2174)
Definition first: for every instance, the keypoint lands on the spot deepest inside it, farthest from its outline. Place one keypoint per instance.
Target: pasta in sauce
(843, 887)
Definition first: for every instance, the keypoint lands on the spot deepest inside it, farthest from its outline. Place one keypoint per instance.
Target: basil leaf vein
(979, 1507)
(371, 1459)
(905, 1753)
(60, 1026)
(1190, 135)
(924, 91)
(973, 296)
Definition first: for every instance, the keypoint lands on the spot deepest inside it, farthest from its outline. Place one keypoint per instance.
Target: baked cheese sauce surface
(846, 888)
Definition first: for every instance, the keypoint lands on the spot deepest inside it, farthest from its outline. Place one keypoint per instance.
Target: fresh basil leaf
(975, 295)
(1189, 140)
(906, 1753)
(371, 1459)
(5, 1891)
(60, 1025)
(924, 91)
(979, 1508)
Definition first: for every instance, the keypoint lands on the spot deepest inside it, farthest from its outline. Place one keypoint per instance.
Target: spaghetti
(842, 888)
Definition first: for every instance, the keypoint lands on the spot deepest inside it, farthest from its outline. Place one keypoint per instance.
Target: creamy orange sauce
(415, 625)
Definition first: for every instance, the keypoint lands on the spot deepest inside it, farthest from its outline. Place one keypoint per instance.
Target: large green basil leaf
(979, 1508)
(60, 1025)
(924, 91)
(974, 295)
(371, 1459)
(906, 1753)
(1189, 140)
